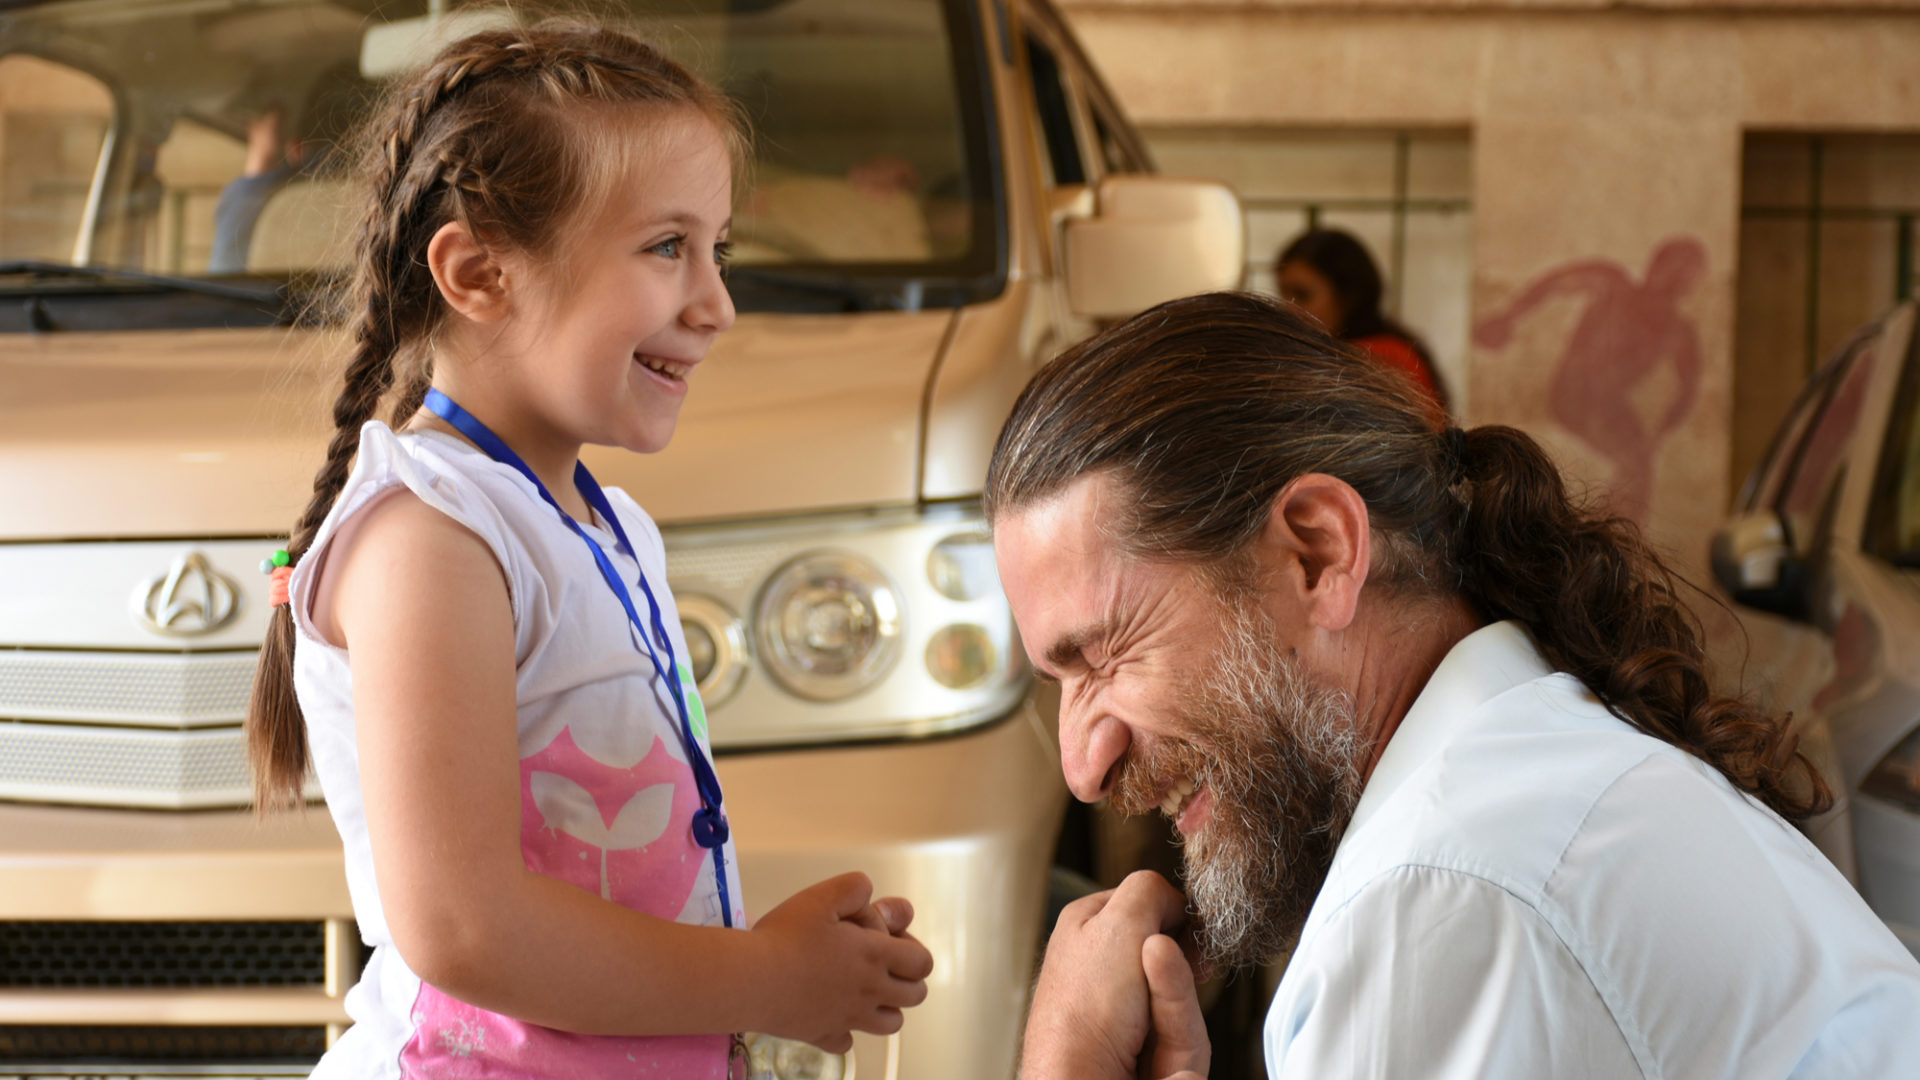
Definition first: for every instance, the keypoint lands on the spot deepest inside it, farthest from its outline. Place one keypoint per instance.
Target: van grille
(175, 690)
(173, 955)
(76, 763)
(64, 1043)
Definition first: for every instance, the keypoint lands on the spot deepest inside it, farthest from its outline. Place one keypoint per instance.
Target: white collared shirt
(1531, 888)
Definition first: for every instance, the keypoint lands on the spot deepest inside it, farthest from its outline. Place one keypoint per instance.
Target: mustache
(1146, 772)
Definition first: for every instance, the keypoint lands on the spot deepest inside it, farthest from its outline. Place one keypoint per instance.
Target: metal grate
(62, 1043)
(733, 567)
(48, 955)
(72, 763)
(163, 690)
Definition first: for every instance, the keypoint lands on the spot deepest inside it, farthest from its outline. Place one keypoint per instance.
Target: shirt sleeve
(1437, 973)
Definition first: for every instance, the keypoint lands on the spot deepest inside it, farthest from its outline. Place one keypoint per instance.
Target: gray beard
(1283, 758)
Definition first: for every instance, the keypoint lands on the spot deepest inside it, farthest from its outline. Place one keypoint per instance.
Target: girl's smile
(595, 341)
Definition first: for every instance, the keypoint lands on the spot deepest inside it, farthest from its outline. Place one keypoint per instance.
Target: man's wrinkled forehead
(1070, 580)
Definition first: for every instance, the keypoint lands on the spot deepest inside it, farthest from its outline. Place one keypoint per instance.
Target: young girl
(482, 644)
(1328, 274)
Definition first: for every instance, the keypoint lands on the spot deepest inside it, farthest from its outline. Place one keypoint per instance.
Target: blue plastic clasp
(709, 828)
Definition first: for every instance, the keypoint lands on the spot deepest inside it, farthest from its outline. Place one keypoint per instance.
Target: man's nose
(1092, 743)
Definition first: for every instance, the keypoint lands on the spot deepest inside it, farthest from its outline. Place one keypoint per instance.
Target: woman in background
(1329, 275)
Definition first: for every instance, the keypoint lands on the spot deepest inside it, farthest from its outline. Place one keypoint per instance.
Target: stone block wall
(1607, 182)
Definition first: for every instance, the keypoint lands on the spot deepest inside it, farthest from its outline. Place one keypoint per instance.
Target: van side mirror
(1757, 567)
(1153, 238)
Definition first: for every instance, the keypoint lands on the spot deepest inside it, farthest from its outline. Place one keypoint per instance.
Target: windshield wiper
(808, 290)
(39, 297)
(263, 293)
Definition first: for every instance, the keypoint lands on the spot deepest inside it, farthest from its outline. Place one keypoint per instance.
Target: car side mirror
(1756, 565)
(1150, 239)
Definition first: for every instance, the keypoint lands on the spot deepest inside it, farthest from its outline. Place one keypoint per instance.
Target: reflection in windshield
(200, 137)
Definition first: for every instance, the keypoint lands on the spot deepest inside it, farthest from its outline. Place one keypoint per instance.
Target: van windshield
(205, 139)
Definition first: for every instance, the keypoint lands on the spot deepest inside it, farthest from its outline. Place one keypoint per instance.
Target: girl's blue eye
(669, 247)
(723, 252)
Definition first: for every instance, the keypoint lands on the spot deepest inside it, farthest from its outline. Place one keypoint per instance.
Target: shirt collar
(1480, 667)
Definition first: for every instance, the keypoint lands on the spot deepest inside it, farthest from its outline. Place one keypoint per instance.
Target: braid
(276, 736)
(488, 135)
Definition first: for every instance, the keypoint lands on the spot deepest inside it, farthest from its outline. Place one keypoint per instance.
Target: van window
(1824, 453)
(1114, 152)
(194, 165)
(1055, 106)
(53, 128)
(870, 136)
(1893, 530)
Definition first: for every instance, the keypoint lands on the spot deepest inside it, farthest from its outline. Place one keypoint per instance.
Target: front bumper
(963, 826)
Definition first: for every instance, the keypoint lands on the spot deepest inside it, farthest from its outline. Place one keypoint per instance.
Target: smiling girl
(477, 653)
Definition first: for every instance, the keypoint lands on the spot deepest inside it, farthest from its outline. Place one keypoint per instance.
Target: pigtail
(391, 302)
(487, 135)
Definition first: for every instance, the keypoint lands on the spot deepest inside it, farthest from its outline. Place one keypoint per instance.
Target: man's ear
(1316, 548)
(469, 277)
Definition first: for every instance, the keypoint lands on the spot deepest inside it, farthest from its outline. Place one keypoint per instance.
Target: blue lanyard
(709, 822)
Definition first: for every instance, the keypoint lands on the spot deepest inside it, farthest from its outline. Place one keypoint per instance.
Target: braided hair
(507, 133)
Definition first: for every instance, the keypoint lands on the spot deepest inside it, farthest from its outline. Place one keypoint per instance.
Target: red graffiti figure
(1629, 331)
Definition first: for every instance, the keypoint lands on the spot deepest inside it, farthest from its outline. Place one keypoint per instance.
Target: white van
(945, 195)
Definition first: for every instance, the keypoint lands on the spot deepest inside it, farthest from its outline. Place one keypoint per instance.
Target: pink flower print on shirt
(624, 834)
(453, 1040)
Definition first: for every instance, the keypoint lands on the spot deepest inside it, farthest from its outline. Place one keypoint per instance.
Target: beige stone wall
(1602, 136)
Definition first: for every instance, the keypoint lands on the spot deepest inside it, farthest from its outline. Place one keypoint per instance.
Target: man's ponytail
(1602, 605)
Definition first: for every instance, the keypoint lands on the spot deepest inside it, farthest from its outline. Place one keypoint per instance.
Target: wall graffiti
(1629, 332)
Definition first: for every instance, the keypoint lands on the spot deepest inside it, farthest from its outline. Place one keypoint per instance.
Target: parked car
(1822, 554)
(945, 196)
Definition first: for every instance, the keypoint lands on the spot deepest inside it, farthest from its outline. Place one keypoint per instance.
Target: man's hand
(1180, 1047)
(1096, 1002)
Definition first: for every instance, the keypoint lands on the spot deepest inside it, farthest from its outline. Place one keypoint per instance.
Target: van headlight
(881, 624)
(828, 624)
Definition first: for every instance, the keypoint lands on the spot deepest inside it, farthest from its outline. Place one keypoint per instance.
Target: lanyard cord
(710, 829)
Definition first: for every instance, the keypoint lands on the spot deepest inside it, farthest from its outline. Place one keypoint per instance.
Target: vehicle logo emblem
(189, 600)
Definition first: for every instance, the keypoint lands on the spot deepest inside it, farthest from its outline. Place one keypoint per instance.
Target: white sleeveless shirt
(606, 793)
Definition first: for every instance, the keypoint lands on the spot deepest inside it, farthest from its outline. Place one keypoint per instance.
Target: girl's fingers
(851, 892)
(836, 1044)
(896, 912)
(871, 918)
(905, 993)
(885, 1021)
(908, 959)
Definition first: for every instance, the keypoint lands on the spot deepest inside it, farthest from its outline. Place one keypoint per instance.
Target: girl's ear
(470, 279)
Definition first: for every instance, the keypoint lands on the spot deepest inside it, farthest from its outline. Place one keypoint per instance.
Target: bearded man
(1418, 715)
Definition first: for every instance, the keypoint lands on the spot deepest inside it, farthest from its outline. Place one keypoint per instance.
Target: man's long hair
(1204, 408)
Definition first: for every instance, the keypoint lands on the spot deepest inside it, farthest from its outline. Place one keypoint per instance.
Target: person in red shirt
(1329, 275)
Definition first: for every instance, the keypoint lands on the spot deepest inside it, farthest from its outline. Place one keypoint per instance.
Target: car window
(54, 122)
(869, 146)
(1893, 532)
(1051, 99)
(1823, 454)
(1114, 152)
(1763, 488)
